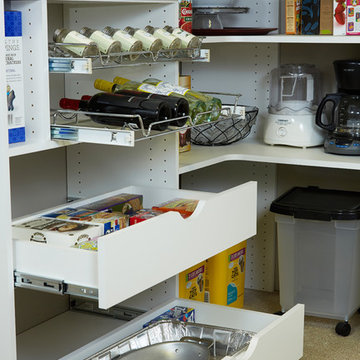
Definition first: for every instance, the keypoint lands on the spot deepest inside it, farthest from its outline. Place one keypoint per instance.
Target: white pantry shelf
(28, 147)
(252, 150)
(280, 38)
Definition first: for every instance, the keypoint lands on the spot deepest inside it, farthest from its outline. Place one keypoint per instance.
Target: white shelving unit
(45, 173)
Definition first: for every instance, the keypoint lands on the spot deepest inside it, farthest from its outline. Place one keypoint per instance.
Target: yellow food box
(192, 282)
(225, 277)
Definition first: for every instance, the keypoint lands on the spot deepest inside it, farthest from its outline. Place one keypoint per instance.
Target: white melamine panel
(38, 181)
(241, 69)
(158, 244)
(253, 150)
(35, 50)
(260, 252)
(96, 169)
(276, 338)
(7, 310)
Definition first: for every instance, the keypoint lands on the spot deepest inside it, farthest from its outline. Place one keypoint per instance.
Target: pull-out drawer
(276, 337)
(142, 255)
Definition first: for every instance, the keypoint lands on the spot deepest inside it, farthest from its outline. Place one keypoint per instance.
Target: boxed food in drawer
(142, 255)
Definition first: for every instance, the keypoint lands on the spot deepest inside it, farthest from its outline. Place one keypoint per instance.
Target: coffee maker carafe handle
(335, 100)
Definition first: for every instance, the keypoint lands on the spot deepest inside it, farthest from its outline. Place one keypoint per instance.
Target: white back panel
(260, 258)
(96, 169)
(238, 68)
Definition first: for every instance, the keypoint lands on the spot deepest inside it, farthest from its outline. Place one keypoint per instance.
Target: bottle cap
(120, 80)
(56, 34)
(108, 30)
(150, 29)
(69, 104)
(104, 85)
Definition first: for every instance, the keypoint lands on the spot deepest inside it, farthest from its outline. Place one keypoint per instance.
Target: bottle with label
(106, 44)
(213, 104)
(196, 106)
(150, 110)
(185, 15)
(188, 41)
(128, 42)
(149, 42)
(88, 47)
(179, 106)
(169, 41)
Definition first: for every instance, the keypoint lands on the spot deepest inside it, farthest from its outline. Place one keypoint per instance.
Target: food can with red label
(185, 15)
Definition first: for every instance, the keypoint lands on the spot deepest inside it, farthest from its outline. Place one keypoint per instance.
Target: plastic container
(319, 251)
(225, 277)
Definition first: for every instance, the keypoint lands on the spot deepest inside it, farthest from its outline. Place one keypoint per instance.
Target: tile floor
(320, 340)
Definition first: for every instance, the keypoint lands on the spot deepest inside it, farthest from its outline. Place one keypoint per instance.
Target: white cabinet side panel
(35, 61)
(7, 309)
(238, 69)
(96, 169)
(260, 257)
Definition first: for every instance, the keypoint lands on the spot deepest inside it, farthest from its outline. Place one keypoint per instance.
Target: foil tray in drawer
(226, 342)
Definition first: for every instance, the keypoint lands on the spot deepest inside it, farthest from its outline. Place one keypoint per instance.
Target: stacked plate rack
(61, 61)
(77, 126)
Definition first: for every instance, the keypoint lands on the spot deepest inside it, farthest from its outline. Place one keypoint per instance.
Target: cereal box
(339, 19)
(180, 313)
(143, 215)
(292, 17)
(353, 17)
(55, 232)
(110, 221)
(184, 206)
(125, 203)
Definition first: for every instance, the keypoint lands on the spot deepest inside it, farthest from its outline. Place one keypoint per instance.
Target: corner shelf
(254, 150)
(283, 39)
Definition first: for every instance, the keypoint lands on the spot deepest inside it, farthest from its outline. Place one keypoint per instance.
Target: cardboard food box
(55, 232)
(14, 76)
(339, 18)
(125, 203)
(143, 215)
(110, 221)
(180, 313)
(310, 17)
(353, 17)
(184, 206)
(292, 17)
(326, 17)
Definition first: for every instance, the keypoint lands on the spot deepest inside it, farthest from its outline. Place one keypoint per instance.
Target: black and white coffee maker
(342, 119)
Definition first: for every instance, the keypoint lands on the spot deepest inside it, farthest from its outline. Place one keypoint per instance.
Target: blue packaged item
(180, 313)
(14, 76)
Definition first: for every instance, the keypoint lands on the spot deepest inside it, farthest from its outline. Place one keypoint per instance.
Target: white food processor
(294, 97)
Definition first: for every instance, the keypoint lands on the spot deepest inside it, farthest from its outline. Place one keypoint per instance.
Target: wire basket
(225, 131)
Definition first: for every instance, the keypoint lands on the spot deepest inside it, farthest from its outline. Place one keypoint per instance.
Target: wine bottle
(106, 44)
(169, 41)
(150, 110)
(179, 106)
(213, 104)
(128, 42)
(73, 37)
(196, 106)
(149, 42)
(188, 41)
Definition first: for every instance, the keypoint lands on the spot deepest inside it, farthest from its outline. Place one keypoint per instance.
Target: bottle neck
(73, 104)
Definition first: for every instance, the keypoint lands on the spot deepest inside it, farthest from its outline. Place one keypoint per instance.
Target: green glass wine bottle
(212, 103)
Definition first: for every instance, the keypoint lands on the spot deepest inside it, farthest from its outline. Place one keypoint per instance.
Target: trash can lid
(318, 204)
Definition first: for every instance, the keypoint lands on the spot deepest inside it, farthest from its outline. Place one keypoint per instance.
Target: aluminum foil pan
(226, 342)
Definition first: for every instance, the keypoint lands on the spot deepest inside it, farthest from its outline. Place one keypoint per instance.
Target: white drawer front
(138, 257)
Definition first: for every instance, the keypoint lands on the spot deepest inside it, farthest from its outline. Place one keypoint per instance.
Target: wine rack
(77, 126)
(61, 61)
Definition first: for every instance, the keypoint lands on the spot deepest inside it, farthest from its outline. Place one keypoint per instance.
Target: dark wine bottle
(150, 110)
(179, 106)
